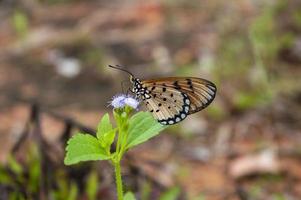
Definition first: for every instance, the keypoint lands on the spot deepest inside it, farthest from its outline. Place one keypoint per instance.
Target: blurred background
(54, 81)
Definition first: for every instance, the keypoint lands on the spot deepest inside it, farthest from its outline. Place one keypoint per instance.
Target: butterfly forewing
(172, 99)
(200, 91)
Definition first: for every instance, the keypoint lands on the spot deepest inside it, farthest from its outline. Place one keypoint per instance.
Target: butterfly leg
(122, 85)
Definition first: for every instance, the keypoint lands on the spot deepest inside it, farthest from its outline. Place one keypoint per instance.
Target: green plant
(171, 194)
(130, 131)
(92, 185)
(20, 23)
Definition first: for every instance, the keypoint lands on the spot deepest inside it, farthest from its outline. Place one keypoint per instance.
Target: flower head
(120, 101)
(132, 102)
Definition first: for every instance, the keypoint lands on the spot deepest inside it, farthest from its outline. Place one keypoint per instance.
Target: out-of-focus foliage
(171, 194)
(20, 23)
(92, 185)
(129, 196)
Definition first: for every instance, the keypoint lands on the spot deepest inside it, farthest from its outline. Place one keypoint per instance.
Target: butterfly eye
(132, 79)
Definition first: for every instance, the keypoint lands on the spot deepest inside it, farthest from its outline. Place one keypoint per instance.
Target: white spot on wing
(186, 109)
(183, 115)
(170, 122)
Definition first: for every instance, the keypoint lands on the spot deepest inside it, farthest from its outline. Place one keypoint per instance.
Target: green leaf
(84, 147)
(104, 126)
(129, 196)
(171, 194)
(108, 139)
(105, 132)
(142, 127)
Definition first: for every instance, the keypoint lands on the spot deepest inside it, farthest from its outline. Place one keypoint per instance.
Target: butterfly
(171, 99)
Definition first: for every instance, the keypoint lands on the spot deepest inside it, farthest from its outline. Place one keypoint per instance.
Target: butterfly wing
(169, 107)
(173, 98)
(200, 92)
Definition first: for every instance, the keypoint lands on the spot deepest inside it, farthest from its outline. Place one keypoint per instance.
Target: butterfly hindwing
(169, 106)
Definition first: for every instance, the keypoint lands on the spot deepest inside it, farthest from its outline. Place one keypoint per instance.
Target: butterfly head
(137, 85)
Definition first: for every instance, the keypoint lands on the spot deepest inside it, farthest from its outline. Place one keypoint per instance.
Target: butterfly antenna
(121, 68)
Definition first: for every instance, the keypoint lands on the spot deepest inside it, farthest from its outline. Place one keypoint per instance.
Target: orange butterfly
(171, 99)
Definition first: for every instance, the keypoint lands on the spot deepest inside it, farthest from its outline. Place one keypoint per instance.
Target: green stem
(118, 139)
(122, 123)
(118, 180)
(124, 141)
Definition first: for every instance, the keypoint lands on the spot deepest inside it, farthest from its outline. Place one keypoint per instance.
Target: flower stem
(118, 180)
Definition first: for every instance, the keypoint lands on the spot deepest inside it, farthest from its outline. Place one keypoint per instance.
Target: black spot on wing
(179, 116)
(176, 84)
(189, 81)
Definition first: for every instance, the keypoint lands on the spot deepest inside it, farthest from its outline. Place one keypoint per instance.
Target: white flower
(120, 101)
(132, 102)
